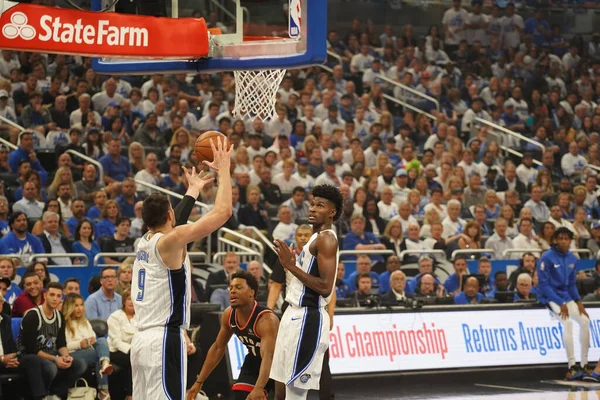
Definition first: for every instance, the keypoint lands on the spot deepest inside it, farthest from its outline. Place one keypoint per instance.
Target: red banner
(58, 30)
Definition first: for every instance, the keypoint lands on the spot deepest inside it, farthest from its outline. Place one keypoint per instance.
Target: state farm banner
(380, 342)
(59, 30)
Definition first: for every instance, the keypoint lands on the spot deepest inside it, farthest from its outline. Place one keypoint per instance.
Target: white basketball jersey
(161, 297)
(297, 294)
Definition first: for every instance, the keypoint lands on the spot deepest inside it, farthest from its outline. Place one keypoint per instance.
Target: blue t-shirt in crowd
(462, 298)
(78, 248)
(94, 213)
(351, 280)
(12, 292)
(116, 171)
(125, 207)
(342, 290)
(105, 228)
(352, 240)
(11, 244)
(4, 228)
(452, 283)
(73, 222)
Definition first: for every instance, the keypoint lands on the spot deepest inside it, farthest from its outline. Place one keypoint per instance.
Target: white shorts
(159, 364)
(302, 340)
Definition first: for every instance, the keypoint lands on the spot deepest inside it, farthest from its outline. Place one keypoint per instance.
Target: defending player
(304, 334)
(256, 327)
(556, 288)
(161, 283)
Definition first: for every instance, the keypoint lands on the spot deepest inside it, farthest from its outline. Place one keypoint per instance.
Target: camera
(413, 304)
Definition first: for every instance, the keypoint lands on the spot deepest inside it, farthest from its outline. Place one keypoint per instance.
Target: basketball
(202, 147)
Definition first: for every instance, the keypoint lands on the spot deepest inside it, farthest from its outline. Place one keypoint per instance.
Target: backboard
(292, 36)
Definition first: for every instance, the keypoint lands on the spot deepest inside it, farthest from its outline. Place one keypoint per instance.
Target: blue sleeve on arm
(36, 245)
(451, 283)
(544, 281)
(350, 242)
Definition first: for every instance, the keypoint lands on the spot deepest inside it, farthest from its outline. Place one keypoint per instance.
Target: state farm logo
(75, 31)
(18, 27)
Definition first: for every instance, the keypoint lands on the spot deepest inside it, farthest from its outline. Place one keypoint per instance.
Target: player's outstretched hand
(197, 181)
(221, 155)
(287, 256)
(193, 392)
(257, 394)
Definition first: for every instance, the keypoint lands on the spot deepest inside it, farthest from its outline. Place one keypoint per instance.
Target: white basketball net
(255, 93)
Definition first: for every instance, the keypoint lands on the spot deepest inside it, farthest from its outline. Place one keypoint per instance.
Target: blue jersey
(12, 293)
(556, 277)
(452, 283)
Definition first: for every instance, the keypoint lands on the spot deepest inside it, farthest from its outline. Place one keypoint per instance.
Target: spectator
(329, 176)
(363, 290)
(484, 268)
(285, 229)
(29, 204)
(87, 187)
(124, 274)
(41, 269)
(43, 349)
(526, 265)
(149, 174)
(83, 344)
(34, 115)
(526, 239)
(121, 329)
(8, 271)
(392, 236)
(119, 242)
(474, 193)
(270, 193)
(455, 281)
(363, 265)
(404, 216)
(231, 264)
(392, 264)
(110, 214)
(396, 295)
(52, 241)
(9, 361)
(85, 243)
(72, 285)
(499, 241)
(116, 167)
(32, 295)
(453, 225)
(412, 241)
(427, 287)
(539, 209)
(342, 289)
(104, 302)
(297, 204)
(253, 213)
(19, 242)
(358, 239)
(573, 163)
(470, 294)
(128, 198)
(455, 23)
(148, 134)
(524, 286)
(595, 296)
(285, 180)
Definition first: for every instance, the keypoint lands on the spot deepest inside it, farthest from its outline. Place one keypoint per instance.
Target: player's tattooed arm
(267, 327)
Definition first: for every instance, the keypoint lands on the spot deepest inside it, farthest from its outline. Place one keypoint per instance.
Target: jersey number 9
(141, 283)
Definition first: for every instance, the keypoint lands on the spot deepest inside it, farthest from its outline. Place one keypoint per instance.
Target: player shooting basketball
(162, 283)
(304, 334)
(256, 327)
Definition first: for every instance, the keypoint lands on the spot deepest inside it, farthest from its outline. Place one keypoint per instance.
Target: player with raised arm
(256, 327)
(161, 284)
(303, 336)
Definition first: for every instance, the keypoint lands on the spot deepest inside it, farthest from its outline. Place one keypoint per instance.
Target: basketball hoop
(255, 93)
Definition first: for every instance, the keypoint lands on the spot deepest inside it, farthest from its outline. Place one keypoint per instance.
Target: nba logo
(295, 23)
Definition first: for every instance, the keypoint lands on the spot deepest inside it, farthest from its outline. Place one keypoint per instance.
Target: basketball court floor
(530, 383)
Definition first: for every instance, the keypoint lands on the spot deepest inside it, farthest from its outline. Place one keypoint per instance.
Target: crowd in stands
(439, 179)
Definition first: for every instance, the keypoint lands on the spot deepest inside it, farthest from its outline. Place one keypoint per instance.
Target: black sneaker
(574, 373)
